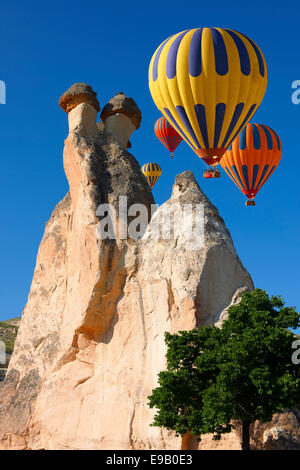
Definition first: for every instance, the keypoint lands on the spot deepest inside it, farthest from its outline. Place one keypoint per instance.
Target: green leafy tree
(242, 371)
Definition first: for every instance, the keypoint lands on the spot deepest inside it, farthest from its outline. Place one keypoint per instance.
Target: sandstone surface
(91, 339)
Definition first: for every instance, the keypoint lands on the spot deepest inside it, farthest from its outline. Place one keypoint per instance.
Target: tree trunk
(189, 442)
(246, 435)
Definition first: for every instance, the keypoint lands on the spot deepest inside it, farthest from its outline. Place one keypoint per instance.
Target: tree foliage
(242, 371)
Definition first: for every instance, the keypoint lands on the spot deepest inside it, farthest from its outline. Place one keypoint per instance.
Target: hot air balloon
(152, 172)
(252, 158)
(167, 134)
(208, 83)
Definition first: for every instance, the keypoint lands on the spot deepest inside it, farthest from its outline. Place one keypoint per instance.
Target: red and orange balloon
(167, 134)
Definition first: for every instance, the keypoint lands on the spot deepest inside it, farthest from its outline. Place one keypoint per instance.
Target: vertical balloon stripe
(238, 176)
(177, 127)
(254, 175)
(268, 176)
(262, 176)
(278, 140)
(185, 120)
(268, 136)
(195, 54)
(236, 115)
(256, 137)
(248, 116)
(258, 55)
(245, 173)
(172, 55)
(243, 139)
(221, 59)
(232, 176)
(200, 113)
(156, 59)
(243, 53)
(219, 118)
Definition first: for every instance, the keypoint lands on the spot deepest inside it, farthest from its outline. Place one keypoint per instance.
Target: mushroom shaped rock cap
(77, 94)
(120, 103)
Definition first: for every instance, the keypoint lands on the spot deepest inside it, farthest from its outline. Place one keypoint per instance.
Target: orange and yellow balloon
(208, 83)
(152, 172)
(252, 158)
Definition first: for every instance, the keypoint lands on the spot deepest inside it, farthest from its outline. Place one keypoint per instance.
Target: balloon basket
(250, 202)
(212, 173)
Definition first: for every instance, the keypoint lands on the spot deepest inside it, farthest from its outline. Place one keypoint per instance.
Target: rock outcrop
(91, 339)
(77, 94)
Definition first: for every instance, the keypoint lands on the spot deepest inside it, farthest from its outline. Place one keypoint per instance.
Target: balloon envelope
(208, 83)
(167, 134)
(252, 158)
(152, 172)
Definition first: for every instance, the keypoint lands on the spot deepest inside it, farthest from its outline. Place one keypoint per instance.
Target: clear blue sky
(46, 46)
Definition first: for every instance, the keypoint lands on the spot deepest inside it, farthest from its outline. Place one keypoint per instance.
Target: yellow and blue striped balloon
(152, 172)
(208, 83)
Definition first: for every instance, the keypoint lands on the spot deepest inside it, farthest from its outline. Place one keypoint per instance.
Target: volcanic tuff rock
(91, 339)
(120, 103)
(76, 94)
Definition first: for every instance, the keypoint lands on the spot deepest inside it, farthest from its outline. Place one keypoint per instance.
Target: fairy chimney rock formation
(78, 93)
(121, 117)
(81, 104)
(91, 340)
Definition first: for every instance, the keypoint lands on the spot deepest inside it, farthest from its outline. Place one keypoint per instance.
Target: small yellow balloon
(152, 172)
